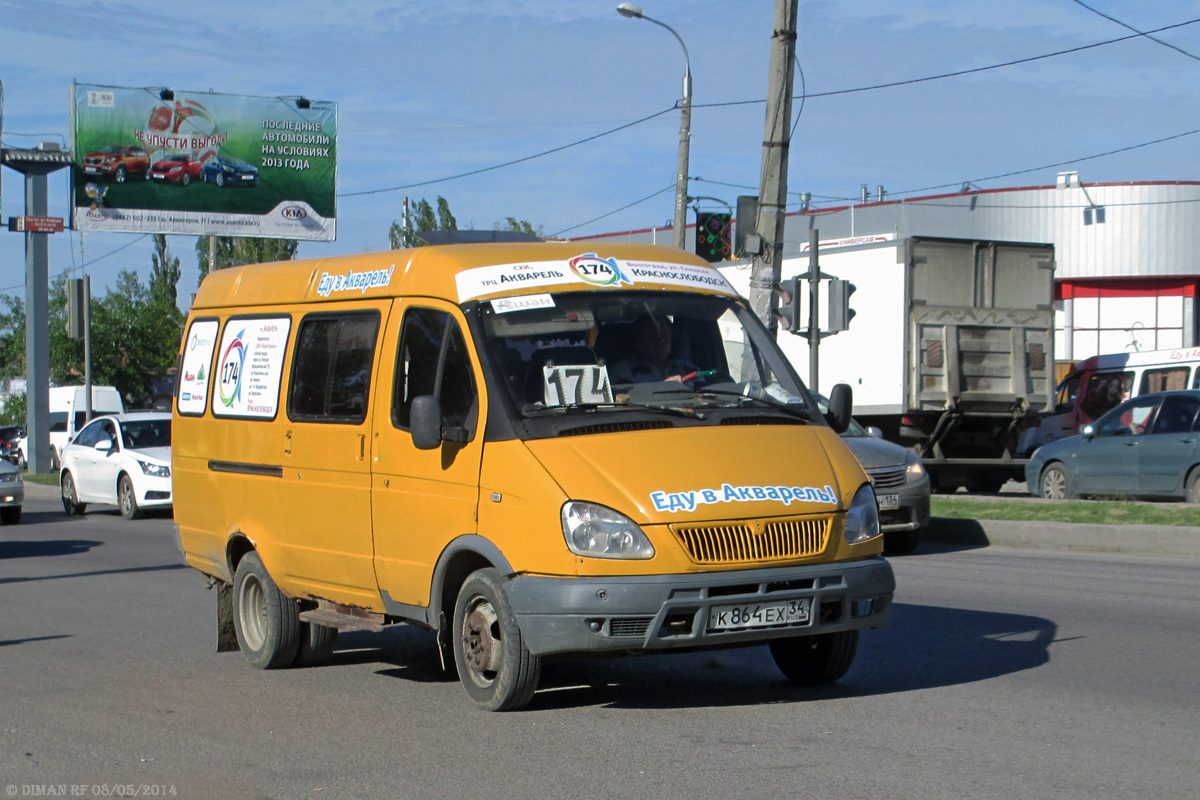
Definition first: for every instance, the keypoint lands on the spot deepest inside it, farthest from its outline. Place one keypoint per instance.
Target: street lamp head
(630, 10)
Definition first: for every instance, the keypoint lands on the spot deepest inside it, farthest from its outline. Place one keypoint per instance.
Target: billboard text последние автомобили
(202, 163)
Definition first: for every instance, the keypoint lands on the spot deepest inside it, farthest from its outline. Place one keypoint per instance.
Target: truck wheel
(10, 515)
(815, 660)
(497, 670)
(316, 644)
(70, 499)
(1055, 483)
(127, 498)
(267, 622)
(901, 543)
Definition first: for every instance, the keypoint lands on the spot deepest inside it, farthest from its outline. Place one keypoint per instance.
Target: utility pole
(765, 271)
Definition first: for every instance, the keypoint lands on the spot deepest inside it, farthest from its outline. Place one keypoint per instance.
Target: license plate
(759, 615)
(888, 500)
(91, 170)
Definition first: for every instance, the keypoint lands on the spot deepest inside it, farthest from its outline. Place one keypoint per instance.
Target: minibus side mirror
(841, 401)
(425, 420)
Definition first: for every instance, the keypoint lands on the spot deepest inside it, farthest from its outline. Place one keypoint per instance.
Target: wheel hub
(480, 642)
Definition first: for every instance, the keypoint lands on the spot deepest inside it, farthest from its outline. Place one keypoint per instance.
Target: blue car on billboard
(1147, 446)
(229, 171)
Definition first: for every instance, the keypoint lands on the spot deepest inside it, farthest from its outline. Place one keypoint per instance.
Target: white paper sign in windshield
(589, 269)
(249, 367)
(197, 367)
(576, 385)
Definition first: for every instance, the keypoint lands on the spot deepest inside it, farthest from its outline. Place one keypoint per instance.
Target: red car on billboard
(117, 161)
(177, 168)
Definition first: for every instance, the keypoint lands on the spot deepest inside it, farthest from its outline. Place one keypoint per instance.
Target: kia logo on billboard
(294, 212)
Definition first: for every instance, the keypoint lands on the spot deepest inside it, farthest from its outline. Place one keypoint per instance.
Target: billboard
(156, 161)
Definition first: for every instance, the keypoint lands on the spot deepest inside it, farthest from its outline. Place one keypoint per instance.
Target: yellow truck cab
(532, 449)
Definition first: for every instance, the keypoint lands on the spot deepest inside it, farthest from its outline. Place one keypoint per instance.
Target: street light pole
(685, 126)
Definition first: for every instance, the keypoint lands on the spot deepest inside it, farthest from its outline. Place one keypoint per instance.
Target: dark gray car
(1147, 446)
(900, 481)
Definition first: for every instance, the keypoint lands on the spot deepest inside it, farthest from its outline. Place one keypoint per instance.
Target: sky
(428, 89)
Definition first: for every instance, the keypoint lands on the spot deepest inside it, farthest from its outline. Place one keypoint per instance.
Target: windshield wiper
(677, 411)
(790, 410)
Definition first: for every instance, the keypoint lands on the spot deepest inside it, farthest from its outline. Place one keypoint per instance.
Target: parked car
(902, 486)
(117, 161)
(119, 459)
(229, 171)
(10, 445)
(1149, 445)
(177, 168)
(12, 493)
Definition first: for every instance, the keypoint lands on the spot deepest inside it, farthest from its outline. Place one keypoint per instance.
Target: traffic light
(789, 303)
(713, 242)
(76, 297)
(840, 312)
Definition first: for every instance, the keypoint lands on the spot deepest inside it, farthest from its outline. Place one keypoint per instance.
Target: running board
(344, 618)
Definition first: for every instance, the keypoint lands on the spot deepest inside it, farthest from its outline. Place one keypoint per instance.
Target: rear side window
(331, 371)
(1167, 379)
(433, 360)
(1177, 415)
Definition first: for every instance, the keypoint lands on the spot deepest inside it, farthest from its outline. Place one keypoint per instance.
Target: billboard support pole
(87, 346)
(212, 253)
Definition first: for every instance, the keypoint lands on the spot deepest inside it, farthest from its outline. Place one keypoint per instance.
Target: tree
(422, 218)
(518, 226)
(164, 274)
(236, 251)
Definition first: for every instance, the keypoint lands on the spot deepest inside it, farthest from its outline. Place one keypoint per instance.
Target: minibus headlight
(862, 518)
(596, 531)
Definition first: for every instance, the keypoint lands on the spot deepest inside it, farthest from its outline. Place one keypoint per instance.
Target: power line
(81, 266)
(1135, 30)
(514, 161)
(1053, 166)
(960, 72)
(616, 211)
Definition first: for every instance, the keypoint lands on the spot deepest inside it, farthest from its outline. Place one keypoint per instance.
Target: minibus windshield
(675, 354)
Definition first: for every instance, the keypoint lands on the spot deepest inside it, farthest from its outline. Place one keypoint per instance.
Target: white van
(68, 415)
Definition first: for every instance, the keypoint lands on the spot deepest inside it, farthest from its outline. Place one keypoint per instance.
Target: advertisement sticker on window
(249, 367)
(197, 367)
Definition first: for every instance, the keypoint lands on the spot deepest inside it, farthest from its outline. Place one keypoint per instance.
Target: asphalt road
(1002, 674)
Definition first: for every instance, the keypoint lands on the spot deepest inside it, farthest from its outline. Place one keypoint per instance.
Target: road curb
(1146, 540)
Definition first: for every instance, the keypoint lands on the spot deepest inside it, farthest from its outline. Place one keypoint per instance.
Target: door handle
(362, 446)
(1132, 444)
(1188, 440)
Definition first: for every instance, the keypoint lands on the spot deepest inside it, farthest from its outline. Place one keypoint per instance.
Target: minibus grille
(754, 540)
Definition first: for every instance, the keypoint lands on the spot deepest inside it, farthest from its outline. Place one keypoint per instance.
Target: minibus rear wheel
(266, 621)
(494, 665)
(815, 660)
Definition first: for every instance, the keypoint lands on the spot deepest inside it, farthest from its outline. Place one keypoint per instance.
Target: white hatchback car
(119, 459)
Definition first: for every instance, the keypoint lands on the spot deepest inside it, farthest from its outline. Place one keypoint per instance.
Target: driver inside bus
(652, 360)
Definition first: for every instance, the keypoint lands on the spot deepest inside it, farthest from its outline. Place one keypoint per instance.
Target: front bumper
(12, 494)
(153, 492)
(910, 514)
(661, 612)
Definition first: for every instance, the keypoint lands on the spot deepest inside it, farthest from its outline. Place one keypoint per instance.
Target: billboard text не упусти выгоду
(201, 163)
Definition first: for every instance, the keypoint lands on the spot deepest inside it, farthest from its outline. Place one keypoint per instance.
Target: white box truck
(950, 351)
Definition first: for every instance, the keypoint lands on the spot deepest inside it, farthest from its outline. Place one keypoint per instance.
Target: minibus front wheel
(815, 660)
(494, 665)
(266, 621)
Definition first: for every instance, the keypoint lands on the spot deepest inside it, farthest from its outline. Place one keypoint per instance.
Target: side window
(1167, 379)
(1104, 391)
(433, 359)
(89, 435)
(331, 372)
(1177, 414)
(1128, 419)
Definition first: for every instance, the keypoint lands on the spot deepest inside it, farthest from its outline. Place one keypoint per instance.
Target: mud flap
(226, 635)
(443, 644)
